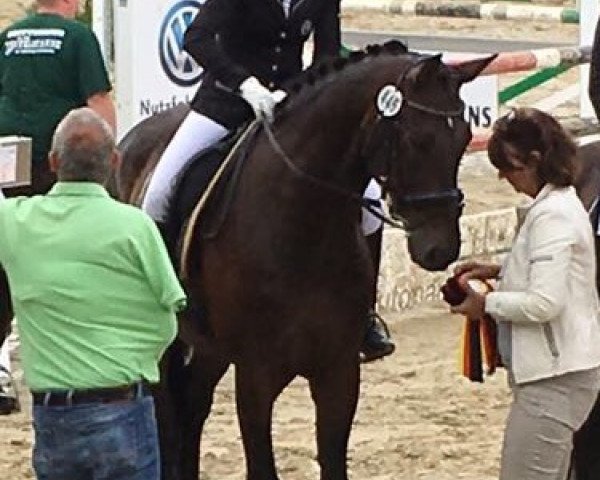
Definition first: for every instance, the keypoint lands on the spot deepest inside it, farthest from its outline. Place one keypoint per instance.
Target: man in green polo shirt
(49, 64)
(95, 296)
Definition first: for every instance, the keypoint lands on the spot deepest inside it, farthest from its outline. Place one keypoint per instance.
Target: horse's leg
(586, 441)
(202, 376)
(166, 414)
(256, 391)
(183, 402)
(586, 447)
(335, 393)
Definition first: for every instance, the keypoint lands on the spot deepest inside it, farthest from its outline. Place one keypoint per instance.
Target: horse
(282, 288)
(586, 459)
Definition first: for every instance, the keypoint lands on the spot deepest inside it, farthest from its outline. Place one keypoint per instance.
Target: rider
(248, 49)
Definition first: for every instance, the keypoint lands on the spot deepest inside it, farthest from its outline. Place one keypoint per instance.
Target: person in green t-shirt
(49, 64)
(95, 297)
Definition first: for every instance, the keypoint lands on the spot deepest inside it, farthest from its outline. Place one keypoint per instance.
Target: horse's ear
(467, 71)
(424, 69)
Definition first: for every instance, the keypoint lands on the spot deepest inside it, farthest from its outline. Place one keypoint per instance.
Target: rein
(369, 204)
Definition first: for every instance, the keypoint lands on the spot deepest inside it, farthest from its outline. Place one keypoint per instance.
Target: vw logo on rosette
(176, 63)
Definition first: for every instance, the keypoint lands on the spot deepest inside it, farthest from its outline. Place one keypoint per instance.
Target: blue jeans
(97, 441)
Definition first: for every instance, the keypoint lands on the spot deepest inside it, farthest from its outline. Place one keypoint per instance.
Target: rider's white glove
(260, 98)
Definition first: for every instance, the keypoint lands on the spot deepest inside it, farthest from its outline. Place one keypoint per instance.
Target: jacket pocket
(550, 340)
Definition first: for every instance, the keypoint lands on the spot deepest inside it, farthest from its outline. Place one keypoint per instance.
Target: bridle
(377, 116)
(452, 196)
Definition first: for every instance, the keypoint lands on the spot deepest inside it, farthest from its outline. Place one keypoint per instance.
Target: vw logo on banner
(176, 63)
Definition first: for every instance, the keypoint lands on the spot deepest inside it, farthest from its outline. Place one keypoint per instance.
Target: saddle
(204, 191)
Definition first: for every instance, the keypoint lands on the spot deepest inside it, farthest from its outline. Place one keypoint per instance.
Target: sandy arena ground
(417, 418)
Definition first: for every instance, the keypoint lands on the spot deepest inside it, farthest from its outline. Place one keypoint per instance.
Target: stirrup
(375, 318)
(384, 345)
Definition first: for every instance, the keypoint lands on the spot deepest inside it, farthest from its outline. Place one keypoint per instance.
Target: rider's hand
(260, 98)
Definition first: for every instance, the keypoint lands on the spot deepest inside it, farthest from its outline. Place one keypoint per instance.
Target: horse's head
(417, 137)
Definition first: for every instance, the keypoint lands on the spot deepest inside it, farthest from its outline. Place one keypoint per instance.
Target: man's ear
(53, 161)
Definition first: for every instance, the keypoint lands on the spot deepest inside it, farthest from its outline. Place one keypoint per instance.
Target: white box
(15, 161)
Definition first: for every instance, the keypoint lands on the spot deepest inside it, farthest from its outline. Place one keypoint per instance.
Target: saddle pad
(194, 218)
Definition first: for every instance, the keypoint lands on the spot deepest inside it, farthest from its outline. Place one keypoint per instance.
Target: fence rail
(549, 63)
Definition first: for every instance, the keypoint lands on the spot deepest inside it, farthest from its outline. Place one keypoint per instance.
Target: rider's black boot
(377, 342)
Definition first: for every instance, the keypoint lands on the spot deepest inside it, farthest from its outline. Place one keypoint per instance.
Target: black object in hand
(452, 292)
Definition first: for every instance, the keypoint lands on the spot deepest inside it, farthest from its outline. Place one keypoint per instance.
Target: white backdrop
(152, 72)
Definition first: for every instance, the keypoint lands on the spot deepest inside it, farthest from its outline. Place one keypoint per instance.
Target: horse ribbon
(479, 336)
(479, 346)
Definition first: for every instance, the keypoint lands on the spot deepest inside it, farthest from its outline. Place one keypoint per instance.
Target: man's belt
(65, 398)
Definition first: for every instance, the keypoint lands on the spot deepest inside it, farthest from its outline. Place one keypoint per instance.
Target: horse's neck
(299, 184)
(320, 138)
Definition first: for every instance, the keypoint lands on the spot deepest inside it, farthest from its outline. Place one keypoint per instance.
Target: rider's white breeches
(195, 133)
(370, 223)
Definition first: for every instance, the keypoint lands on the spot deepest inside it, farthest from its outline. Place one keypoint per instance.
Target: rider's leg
(195, 133)
(377, 342)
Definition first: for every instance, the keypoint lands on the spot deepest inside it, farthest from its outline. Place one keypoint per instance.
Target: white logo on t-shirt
(33, 41)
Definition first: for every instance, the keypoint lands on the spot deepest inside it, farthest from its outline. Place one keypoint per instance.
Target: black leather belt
(62, 398)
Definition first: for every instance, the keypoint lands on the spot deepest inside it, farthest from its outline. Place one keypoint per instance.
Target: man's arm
(103, 105)
(157, 266)
(201, 41)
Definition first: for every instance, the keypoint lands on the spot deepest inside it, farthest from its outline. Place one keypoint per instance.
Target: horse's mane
(328, 68)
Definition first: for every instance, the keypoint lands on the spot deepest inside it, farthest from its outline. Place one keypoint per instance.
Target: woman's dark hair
(532, 136)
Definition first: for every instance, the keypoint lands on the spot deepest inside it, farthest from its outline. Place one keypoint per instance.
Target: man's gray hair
(84, 145)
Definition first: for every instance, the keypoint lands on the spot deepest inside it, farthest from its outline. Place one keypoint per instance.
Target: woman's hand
(474, 270)
(473, 306)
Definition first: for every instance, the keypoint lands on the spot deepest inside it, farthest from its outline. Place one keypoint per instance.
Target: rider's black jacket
(235, 39)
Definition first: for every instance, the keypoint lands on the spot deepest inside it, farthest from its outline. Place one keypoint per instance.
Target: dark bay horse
(586, 453)
(285, 284)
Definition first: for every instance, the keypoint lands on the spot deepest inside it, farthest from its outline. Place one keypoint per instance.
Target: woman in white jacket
(546, 303)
